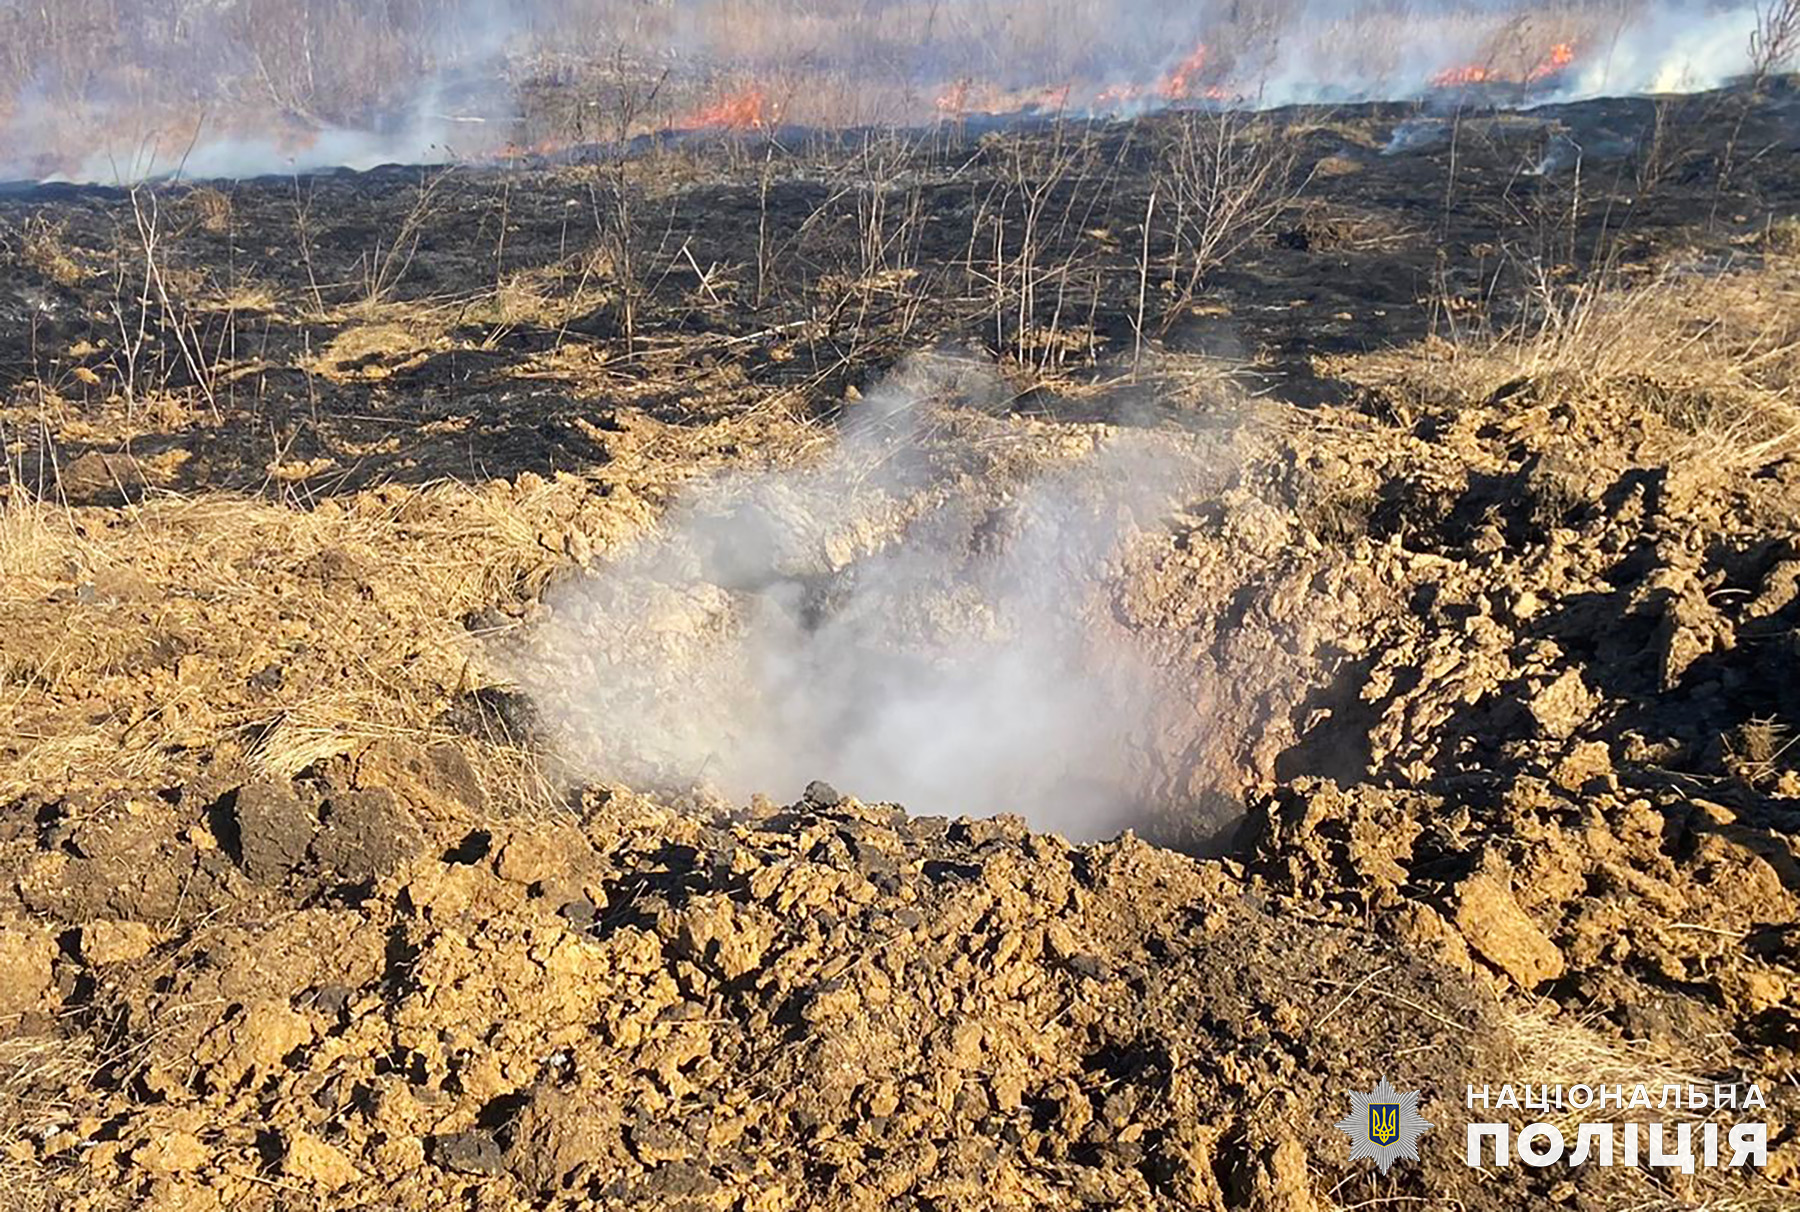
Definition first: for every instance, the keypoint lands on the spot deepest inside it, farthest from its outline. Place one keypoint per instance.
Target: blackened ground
(408, 324)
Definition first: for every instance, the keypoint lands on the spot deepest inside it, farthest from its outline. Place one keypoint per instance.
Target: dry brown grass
(43, 248)
(244, 298)
(36, 1072)
(1782, 238)
(34, 544)
(131, 637)
(371, 592)
(1553, 1051)
(211, 208)
(381, 340)
(1549, 1049)
(547, 297)
(1754, 750)
(1714, 354)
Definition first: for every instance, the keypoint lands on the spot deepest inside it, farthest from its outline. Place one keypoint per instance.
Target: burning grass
(745, 110)
(425, 85)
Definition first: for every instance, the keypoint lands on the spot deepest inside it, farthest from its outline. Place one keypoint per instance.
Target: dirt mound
(830, 1003)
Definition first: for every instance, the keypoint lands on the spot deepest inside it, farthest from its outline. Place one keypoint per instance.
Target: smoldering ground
(922, 615)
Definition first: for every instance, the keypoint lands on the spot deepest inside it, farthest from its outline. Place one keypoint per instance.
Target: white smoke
(1674, 46)
(1671, 49)
(200, 104)
(908, 619)
(422, 140)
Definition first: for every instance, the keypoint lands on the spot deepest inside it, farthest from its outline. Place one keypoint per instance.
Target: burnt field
(460, 321)
(1012, 664)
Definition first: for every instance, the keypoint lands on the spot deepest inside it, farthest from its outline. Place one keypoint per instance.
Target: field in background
(107, 90)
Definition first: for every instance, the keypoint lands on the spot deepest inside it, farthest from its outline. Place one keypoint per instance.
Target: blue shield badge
(1384, 1122)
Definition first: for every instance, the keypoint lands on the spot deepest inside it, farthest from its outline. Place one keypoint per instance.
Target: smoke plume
(921, 616)
(116, 91)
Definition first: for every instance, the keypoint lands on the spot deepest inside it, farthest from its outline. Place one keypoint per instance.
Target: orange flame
(1461, 77)
(1559, 57)
(1555, 60)
(512, 149)
(1178, 82)
(745, 110)
(967, 96)
(1116, 95)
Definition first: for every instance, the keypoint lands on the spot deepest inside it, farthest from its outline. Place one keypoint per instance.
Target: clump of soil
(829, 1003)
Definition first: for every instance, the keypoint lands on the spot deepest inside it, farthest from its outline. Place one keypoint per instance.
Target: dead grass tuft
(36, 545)
(381, 342)
(1783, 236)
(211, 208)
(36, 1075)
(249, 298)
(1550, 1050)
(1712, 356)
(1553, 1051)
(548, 297)
(42, 247)
(1753, 751)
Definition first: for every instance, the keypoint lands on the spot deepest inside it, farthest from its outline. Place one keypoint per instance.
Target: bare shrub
(385, 265)
(1774, 42)
(613, 188)
(333, 62)
(1027, 253)
(1225, 179)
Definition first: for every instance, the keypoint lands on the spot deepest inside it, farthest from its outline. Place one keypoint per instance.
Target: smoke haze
(912, 617)
(122, 90)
